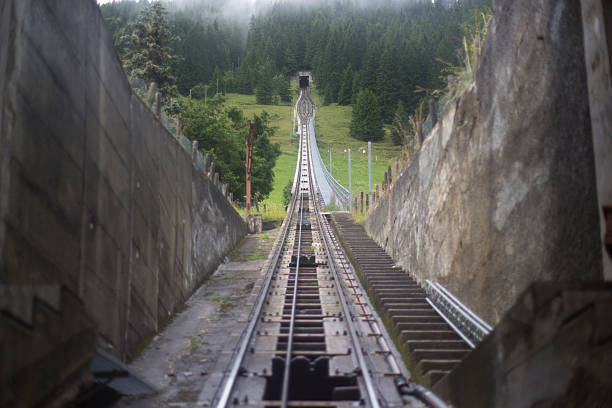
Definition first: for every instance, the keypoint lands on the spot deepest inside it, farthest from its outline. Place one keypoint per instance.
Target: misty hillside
(391, 48)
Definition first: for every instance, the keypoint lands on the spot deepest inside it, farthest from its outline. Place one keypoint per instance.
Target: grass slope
(332, 127)
(284, 170)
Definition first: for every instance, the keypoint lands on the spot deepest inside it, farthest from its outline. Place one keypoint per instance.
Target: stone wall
(95, 194)
(552, 349)
(597, 23)
(503, 192)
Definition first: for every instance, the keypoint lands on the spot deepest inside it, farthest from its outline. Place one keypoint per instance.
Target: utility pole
(350, 185)
(370, 173)
(249, 162)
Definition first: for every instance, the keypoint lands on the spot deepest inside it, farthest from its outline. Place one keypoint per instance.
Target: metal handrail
(338, 189)
(465, 322)
(484, 326)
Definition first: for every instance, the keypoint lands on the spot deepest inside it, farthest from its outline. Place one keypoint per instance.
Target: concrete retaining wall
(503, 192)
(95, 194)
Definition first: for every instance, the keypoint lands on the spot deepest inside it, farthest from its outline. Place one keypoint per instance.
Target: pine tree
(345, 93)
(366, 122)
(282, 88)
(148, 54)
(264, 93)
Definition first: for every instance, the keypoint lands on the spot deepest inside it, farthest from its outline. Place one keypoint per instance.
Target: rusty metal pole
(249, 158)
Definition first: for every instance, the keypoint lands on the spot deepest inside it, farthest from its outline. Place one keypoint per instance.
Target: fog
(241, 10)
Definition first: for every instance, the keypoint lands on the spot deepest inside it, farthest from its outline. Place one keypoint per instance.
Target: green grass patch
(194, 343)
(255, 256)
(332, 127)
(284, 170)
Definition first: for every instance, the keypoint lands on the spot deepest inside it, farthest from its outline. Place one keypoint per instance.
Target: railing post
(349, 169)
(361, 203)
(158, 107)
(370, 171)
(433, 112)
(211, 173)
(390, 175)
(385, 182)
(194, 151)
(179, 128)
(206, 163)
(397, 167)
(367, 202)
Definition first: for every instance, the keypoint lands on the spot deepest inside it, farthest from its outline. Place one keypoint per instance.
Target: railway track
(312, 338)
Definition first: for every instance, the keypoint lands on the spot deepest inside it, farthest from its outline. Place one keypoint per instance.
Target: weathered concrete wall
(95, 194)
(502, 192)
(597, 23)
(552, 349)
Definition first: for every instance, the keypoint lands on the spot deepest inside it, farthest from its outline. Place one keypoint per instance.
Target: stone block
(546, 351)
(254, 223)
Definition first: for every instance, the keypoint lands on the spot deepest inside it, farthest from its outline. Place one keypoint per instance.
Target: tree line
(373, 57)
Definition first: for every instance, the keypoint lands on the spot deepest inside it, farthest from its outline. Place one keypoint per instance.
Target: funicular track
(312, 339)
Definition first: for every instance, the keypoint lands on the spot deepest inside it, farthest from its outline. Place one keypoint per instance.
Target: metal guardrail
(467, 324)
(339, 194)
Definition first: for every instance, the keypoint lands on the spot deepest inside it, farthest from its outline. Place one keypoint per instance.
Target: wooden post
(211, 173)
(390, 175)
(356, 203)
(216, 180)
(397, 166)
(361, 203)
(249, 159)
(367, 202)
(385, 182)
(377, 196)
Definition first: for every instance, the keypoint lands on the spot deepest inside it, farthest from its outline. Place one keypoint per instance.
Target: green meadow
(284, 170)
(332, 128)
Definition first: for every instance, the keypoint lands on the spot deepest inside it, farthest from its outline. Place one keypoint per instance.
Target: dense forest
(383, 58)
(391, 51)
(392, 48)
(208, 46)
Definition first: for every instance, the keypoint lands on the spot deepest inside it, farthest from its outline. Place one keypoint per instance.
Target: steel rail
(285, 388)
(256, 312)
(367, 377)
(361, 360)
